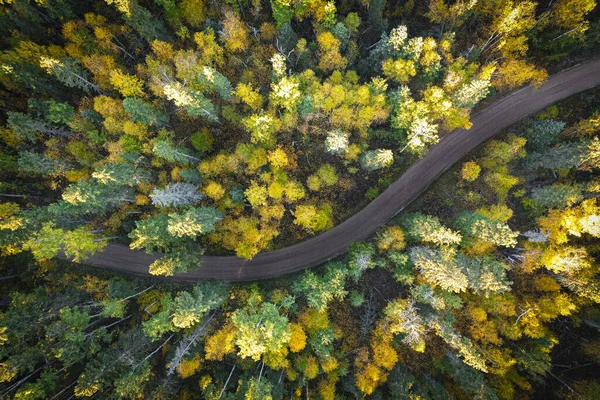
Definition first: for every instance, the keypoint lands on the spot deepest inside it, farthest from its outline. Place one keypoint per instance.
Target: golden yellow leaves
(128, 85)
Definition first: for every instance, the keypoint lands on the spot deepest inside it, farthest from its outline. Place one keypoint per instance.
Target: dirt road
(409, 186)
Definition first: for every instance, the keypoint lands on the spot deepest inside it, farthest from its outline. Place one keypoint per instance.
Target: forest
(215, 128)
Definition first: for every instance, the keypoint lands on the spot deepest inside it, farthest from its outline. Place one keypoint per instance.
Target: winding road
(454, 146)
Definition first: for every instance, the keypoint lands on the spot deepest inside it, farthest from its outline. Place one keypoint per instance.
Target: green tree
(202, 141)
(541, 133)
(362, 258)
(479, 228)
(194, 221)
(255, 388)
(321, 290)
(193, 101)
(286, 37)
(260, 331)
(59, 113)
(153, 235)
(142, 112)
(322, 343)
(69, 73)
(92, 197)
(121, 174)
(165, 149)
(565, 156)
(35, 163)
(216, 81)
(484, 274)
(471, 380)
(145, 24)
(160, 323)
(440, 268)
(26, 127)
(428, 229)
(190, 308)
(557, 195)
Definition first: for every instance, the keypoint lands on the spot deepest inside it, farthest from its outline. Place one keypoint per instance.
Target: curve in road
(402, 192)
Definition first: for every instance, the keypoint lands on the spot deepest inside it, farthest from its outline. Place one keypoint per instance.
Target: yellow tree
(450, 16)
(509, 22)
(330, 57)
(235, 33)
(570, 14)
(514, 73)
(128, 85)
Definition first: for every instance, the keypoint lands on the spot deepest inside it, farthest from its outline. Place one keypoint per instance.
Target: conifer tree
(190, 308)
(321, 290)
(194, 221)
(260, 331)
(429, 230)
(176, 195)
(477, 227)
(439, 267)
(142, 112)
(193, 101)
(164, 149)
(69, 73)
(36, 163)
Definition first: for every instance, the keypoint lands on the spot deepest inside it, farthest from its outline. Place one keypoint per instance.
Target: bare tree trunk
(155, 351)
(226, 382)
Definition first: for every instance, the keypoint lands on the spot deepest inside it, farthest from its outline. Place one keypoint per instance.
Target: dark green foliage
(202, 141)
(341, 33)
(557, 195)
(480, 228)
(142, 112)
(216, 81)
(59, 113)
(306, 105)
(26, 127)
(542, 133)
(191, 176)
(286, 38)
(148, 27)
(321, 290)
(565, 156)
(237, 194)
(404, 385)
(403, 269)
(164, 149)
(70, 73)
(471, 380)
(36, 163)
(282, 14)
(322, 343)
